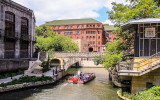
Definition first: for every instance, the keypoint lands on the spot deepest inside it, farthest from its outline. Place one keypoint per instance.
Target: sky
(49, 10)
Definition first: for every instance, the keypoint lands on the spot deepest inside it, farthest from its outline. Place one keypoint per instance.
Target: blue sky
(48, 10)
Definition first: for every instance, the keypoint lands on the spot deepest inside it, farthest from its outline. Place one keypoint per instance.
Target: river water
(98, 89)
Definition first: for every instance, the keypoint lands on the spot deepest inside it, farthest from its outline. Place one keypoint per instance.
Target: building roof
(142, 21)
(109, 28)
(72, 21)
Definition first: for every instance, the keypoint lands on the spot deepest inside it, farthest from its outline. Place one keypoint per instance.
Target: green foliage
(98, 60)
(113, 55)
(111, 59)
(45, 65)
(150, 94)
(6, 75)
(121, 13)
(26, 79)
(47, 41)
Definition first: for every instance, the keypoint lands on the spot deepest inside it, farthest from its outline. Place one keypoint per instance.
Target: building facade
(17, 35)
(109, 36)
(143, 72)
(82, 44)
(84, 29)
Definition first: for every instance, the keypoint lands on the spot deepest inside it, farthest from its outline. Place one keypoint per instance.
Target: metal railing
(146, 63)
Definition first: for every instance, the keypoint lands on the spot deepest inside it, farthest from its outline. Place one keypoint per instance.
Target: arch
(56, 62)
(90, 49)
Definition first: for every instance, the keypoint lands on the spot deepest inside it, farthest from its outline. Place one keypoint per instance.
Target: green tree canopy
(47, 41)
(136, 9)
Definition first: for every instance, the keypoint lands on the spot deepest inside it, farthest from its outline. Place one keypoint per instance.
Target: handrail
(140, 63)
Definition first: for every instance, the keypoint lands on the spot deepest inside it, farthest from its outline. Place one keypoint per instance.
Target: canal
(98, 89)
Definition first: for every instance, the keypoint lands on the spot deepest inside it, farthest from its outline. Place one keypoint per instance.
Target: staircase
(140, 68)
(32, 65)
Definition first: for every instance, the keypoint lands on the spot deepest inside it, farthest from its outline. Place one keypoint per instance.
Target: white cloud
(108, 22)
(48, 10)
(109, 5)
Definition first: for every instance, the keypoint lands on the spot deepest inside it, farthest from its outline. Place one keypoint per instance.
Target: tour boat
(87, 77)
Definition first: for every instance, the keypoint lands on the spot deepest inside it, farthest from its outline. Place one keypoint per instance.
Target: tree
(136, 9)
(47, 41)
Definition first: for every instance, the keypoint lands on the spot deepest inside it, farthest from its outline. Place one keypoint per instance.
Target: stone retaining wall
(24, 85)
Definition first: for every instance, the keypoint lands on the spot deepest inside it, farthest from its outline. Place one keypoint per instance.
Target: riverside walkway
(6, 80)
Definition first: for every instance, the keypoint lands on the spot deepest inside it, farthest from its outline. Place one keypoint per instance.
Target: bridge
(66, 59)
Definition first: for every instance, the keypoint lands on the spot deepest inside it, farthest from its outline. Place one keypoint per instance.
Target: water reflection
(98, 89)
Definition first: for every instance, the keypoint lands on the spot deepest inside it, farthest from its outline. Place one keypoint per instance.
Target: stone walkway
(48, 73)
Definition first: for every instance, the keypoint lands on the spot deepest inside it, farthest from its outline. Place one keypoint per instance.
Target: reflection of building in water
(17, 36)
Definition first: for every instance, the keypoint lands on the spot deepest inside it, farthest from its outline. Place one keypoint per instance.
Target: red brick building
(84, 29)
(109, 36)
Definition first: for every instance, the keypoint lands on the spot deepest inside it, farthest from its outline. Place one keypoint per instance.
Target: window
(82, 26)
(59, 32)
(99, 32)
(9, 24)
(110, 34)
(114, 39)
(59, 27)
(55, 27)
(82, 38)
(9, 31)
(65, 33)
(82, 32)
(71, 27)
(93, 42)
(77, 37)
(98, 43)
(77, 32)
(98, 37)
(65, 27)
(87, 38)
(90, 37)
(90, 26)
(93, 37)
(68, 33)
(77, 26)
(110, 39)
(24, 27)
(114, 34)
(71, 33)
(98, 49)
(90, 43)
(68, 27)
(93, 26)
(99, 26)
(87, 26)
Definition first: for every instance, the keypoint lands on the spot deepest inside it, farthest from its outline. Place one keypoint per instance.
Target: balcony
(11, 35)
(26, 37)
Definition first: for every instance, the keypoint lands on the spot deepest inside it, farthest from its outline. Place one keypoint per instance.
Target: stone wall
(139, 82)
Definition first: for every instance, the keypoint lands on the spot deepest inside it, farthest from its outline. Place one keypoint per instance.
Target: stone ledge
(24, 85)
(122, 97)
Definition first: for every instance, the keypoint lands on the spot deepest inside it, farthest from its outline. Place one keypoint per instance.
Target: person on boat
(81, 76)
(79, 72)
